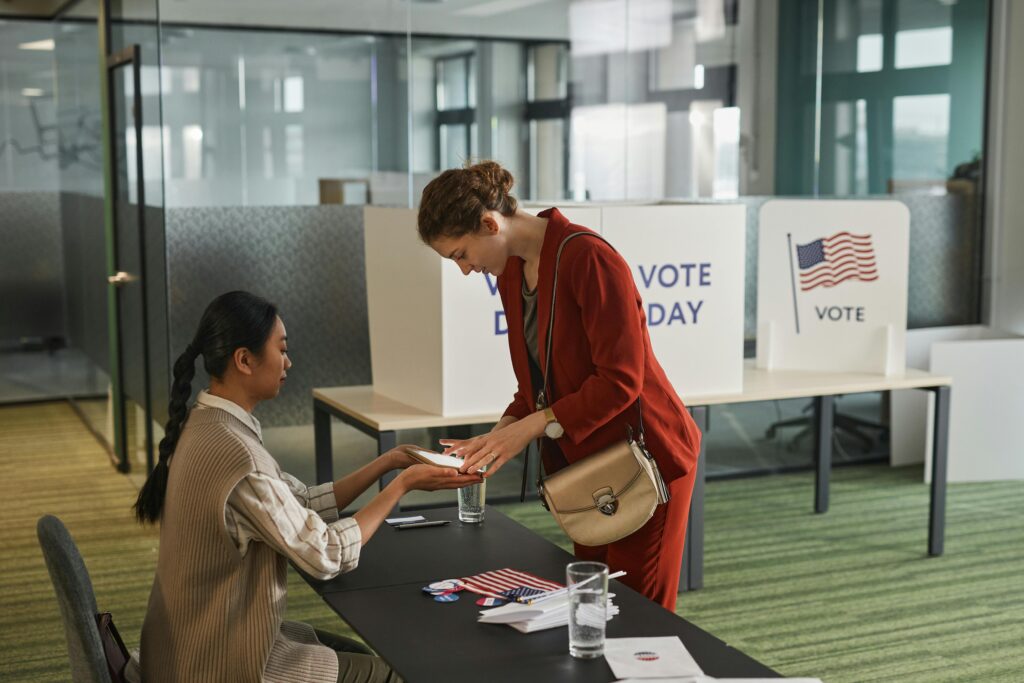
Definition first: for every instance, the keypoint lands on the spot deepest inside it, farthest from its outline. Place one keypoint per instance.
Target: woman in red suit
(601, 361)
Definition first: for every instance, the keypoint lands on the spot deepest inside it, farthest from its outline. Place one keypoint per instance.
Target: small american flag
(524, 592)
(828, 261)
(494, 583)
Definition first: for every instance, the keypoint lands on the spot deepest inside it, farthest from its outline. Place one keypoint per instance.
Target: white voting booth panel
(437, 338)
(832, 285)
(986, 434)
(688, 264)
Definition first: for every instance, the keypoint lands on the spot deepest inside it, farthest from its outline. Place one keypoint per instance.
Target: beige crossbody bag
(609, 494)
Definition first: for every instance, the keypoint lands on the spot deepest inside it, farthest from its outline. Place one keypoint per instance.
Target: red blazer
(601, 353)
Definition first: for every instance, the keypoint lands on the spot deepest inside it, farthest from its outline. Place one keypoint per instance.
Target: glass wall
(46, 138)
(255, 126)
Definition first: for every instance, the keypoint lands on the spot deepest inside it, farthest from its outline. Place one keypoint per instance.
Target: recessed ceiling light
(38, 45)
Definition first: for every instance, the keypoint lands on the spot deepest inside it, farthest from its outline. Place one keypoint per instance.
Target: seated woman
(230, 519)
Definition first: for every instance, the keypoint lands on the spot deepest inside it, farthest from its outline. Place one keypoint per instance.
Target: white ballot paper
(649, 658)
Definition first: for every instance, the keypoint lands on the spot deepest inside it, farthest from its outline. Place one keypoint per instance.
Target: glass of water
(471, 502)
(588, 608)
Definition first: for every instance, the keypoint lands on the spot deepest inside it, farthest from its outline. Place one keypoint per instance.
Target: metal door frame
(110, 65)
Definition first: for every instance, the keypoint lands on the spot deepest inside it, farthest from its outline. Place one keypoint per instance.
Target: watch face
(553, 430)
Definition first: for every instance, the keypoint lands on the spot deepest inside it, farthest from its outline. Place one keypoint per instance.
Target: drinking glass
(471, 502)
(588, 608)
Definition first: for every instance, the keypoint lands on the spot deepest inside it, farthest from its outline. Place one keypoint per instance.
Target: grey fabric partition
(306, 259)
(85, 275)
(31, 266)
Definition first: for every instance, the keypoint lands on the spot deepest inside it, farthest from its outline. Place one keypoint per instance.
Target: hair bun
(453, 202)
(493, 177)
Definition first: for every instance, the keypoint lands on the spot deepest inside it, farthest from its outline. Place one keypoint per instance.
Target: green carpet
(846, 596)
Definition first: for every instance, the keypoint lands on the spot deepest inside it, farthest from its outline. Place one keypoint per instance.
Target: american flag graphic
(493, 583)
(524, 592)
(830, 260)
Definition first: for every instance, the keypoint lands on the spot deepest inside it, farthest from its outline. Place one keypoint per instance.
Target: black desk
(425, 640)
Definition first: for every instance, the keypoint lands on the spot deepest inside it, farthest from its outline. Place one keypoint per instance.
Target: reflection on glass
(547, 160)
(618, 151)
(293, 94)
(853, 36)
(924, 47)
(547, 72)
(675, 66)
(869, 53)
(924, 33)
(454, 145)
(920, 133)
(727, 153)
(453, 83)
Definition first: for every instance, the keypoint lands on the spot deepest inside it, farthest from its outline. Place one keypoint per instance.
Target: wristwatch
(552, 430)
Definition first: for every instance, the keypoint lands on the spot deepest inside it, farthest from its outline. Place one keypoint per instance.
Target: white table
(381, 417)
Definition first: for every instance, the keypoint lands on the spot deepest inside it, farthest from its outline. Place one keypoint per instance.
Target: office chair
(847, 424)
(77, 602)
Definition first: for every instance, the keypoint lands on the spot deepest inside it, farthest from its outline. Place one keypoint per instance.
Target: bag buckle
(607, 504)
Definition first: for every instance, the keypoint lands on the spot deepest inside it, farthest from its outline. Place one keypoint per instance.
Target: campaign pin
(446, 585)
(490, 602)
(446, 597)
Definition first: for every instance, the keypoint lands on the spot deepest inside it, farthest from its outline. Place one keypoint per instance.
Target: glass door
(134, 230)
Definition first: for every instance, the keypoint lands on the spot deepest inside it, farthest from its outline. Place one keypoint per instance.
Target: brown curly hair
(453, 203)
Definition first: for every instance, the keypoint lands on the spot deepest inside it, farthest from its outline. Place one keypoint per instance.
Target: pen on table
(563, 591)
(420, 525)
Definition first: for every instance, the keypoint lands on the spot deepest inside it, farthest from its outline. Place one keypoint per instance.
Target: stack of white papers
(540, 615)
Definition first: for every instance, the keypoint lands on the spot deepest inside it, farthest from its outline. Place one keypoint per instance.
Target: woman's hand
(433, 478)
(495, 449)
(399, 458)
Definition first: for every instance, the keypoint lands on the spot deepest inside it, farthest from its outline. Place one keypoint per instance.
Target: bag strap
(542, 396)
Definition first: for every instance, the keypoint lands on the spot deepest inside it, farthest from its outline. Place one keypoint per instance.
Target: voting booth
(832, 285)
(438, 339)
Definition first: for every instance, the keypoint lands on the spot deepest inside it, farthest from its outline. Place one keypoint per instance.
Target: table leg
(940, 453)
(323, 447)
(691, 576)
(824, 415)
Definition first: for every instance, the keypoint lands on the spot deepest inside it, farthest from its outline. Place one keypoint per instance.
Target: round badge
(490, 602)
(446, 597)
(446, 585)
(644, 655)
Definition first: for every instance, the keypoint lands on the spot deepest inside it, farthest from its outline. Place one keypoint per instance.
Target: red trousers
(652, 555)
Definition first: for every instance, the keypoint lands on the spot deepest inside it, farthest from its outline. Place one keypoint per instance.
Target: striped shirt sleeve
(320, 498)
(263, 507)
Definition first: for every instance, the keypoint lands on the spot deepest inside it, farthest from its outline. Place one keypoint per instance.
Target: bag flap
(573, 488)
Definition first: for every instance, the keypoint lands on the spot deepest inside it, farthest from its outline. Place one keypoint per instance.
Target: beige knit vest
(213, 615)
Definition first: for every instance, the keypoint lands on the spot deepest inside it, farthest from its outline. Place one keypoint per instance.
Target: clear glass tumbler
(471, 502)
(588, 608)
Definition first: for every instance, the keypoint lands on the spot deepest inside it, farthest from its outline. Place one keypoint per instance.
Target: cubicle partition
(306, 259)
(31, 277)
